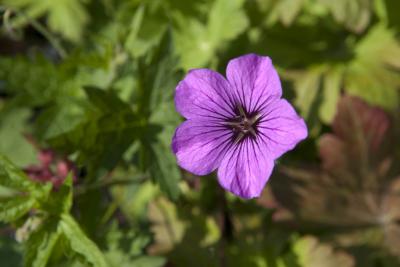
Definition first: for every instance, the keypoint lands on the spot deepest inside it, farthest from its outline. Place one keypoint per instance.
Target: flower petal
(281, 128)
(245, 169)
(204, 94)
(254, 80)
(200, 145)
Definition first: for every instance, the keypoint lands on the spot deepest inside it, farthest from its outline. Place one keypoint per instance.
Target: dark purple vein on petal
(223, 98)
(211, 111)
(220, 106)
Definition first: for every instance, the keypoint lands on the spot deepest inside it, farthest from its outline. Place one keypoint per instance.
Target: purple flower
(239, 125)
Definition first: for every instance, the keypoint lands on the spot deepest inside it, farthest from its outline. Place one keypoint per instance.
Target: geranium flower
(238, 125)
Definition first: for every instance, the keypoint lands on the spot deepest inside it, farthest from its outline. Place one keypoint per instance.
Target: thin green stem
(79, 190)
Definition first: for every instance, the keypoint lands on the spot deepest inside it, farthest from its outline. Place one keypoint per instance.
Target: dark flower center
(243, 124)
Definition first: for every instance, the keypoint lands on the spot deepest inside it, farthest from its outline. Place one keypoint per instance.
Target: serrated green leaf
(40, 245)
(80, 243)
(12, 209)
(105, 134)
(58, 118)
(12, 177)
(24, 195)
(164, 170)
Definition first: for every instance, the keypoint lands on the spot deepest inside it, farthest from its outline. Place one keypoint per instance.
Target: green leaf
(80, 243)
(13, 126)
(147, 29)
(12, 177)
(373, 74)
(226, 21)
(21, 80)
(307, 86)
(157, 80)
(285, 11)
(60, 201)
(197, 43)
(353, 14)
(331, 93)
(24, 193)
(40, 245)
(311, 253)
(163, 169)
(192, 43)
(15, 208)
(105, 134)
(127, 248)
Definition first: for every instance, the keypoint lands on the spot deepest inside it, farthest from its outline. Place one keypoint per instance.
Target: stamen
(243, 124)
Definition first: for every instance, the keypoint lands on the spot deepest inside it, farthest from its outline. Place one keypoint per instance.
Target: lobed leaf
(12, 177)
(356, 185)
(311, 253)
(197, 43)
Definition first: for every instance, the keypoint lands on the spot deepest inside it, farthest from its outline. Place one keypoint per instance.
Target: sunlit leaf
(331, 94)
(284, 11)
(80, 243)
(148, 27)
(311, 253)
(14, 144)
(197, 42)
(354, 14)
(24, 193)
(373, 75)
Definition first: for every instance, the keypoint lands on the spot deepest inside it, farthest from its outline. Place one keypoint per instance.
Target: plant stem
(79, 190)
(226, 227)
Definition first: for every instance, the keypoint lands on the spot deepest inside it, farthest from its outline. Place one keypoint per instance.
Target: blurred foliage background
(87, 177)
